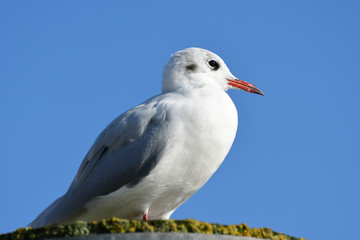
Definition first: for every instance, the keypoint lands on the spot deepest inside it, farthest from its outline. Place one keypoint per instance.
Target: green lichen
(116, 225)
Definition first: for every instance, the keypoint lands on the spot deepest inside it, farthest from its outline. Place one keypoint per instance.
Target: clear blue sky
(67, 68)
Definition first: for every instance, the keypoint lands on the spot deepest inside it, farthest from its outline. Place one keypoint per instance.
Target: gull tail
(51, 215)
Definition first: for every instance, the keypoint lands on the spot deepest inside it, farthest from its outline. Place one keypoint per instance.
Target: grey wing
(124, 153)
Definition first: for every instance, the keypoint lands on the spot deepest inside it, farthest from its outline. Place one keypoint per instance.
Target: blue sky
(68, 68)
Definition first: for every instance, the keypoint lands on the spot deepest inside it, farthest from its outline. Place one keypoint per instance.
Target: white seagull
(155, 156)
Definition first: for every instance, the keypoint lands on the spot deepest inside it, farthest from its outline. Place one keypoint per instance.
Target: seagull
(152, 158)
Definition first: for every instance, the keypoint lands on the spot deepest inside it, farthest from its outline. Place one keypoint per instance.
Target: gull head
(197, 68)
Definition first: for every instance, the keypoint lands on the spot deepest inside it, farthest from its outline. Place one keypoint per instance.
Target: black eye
(214, 64)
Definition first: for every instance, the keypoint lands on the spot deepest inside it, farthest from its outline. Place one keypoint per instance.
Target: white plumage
(152, 158)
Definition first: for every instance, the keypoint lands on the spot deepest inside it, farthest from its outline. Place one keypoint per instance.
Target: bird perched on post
(155, 156)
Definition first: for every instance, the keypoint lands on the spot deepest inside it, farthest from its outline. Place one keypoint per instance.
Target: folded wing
(123, 154)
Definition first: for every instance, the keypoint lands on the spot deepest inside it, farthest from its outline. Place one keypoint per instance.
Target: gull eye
(214, 64)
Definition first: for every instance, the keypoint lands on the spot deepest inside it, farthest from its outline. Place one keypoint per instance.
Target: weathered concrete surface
(155, 236)
(120, 229)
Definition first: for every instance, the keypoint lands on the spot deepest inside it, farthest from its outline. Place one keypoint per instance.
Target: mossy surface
(116, 225)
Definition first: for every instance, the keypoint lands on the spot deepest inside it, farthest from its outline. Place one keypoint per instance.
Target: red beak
(240, 84)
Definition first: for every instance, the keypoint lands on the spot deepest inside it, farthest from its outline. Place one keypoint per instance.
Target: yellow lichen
(116, 225)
